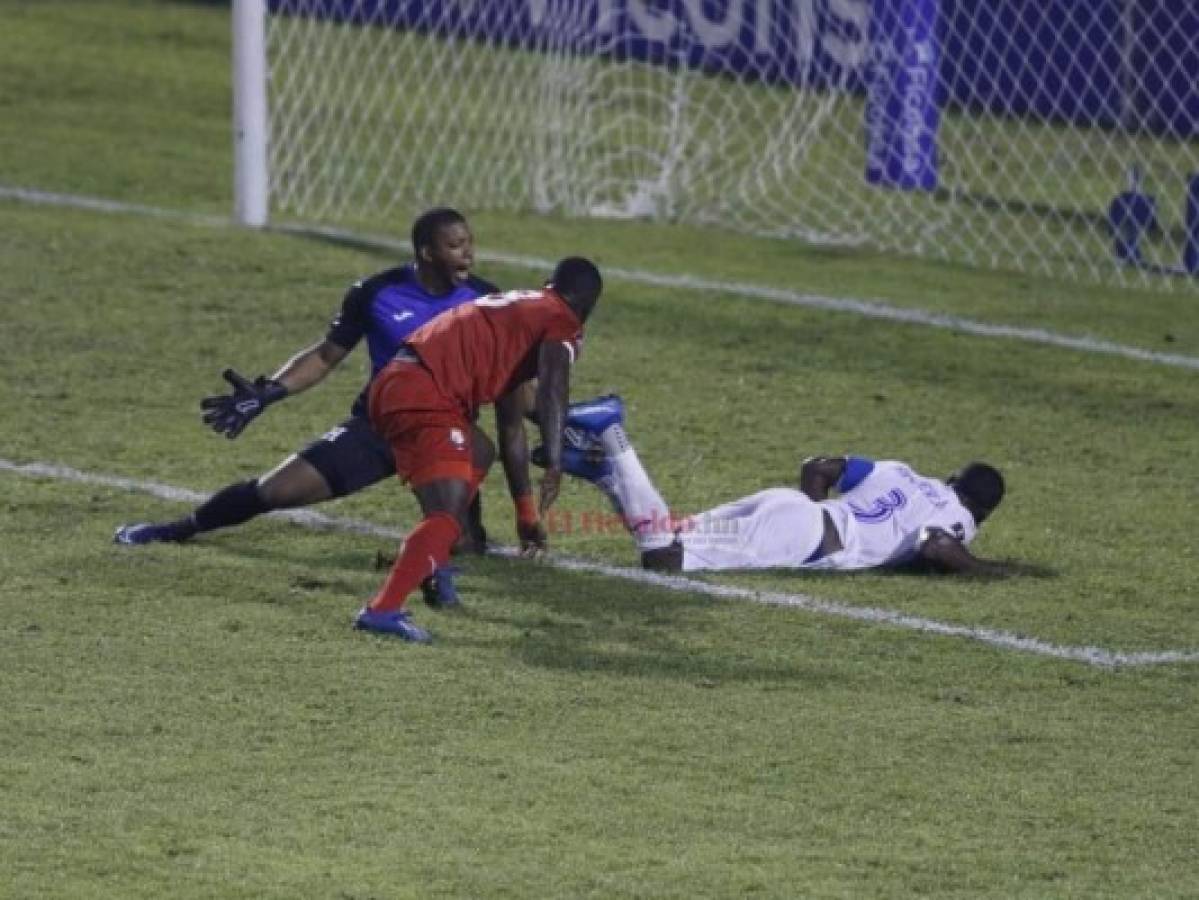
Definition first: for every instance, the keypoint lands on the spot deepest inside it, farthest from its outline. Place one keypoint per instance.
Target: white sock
(633, 494)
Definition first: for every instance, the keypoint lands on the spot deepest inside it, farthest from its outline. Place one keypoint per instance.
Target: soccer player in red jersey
(424, 402)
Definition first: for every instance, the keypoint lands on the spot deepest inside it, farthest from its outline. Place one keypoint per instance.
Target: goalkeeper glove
(229, 414)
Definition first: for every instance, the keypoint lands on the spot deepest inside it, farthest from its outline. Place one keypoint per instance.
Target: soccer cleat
(395, 622)
(594, 417)
(588, 462)
(439, 590)
(582, 450)
(148, 533)
(590, 465)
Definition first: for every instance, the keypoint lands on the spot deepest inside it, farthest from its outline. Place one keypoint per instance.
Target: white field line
(1004, 640)
(872, 309)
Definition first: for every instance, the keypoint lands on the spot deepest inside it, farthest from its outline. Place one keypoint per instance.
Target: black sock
(664, 559)
(229, 506)
(474, 517)
(474, 536)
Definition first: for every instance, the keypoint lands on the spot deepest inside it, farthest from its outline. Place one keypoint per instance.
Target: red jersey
(480, 350)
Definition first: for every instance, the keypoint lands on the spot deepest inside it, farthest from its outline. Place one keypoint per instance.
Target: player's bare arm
(943, 551)
(553, 392)
(310, 366)
(818, 474)
(510, 412)
(513, 441)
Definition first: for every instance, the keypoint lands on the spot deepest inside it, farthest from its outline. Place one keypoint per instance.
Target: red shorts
(429, 434)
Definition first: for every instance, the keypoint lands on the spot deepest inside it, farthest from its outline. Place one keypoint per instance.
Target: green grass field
(200, 721)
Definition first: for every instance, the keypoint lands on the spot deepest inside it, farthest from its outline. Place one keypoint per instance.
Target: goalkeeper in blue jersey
(384, 309)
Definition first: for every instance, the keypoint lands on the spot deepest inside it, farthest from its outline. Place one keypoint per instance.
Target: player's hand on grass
(229, 414)
(529, 530)
(533, 539)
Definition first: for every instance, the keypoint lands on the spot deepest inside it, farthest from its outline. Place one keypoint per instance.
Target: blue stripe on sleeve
(856, 470)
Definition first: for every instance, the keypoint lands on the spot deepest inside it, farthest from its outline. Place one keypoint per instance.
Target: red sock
(426, 547)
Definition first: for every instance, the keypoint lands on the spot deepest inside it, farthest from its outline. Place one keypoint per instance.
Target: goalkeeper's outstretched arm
(229, 414)
(309, 366)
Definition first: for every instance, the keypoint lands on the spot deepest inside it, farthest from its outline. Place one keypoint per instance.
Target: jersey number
(507, 298)
(881, 508)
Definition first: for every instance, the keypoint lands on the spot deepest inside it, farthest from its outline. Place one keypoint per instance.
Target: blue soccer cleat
(148, 533)
(590, 465)
(582, 450)
(395, 622)
(594, 417)
(439, 590)
(587, 463)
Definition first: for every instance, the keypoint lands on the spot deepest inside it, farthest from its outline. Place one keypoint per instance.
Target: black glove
(229, 414)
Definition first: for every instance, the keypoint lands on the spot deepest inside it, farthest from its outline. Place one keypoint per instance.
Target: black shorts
(350, 457)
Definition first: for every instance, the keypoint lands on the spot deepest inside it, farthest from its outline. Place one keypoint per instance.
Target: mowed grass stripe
(872, 309)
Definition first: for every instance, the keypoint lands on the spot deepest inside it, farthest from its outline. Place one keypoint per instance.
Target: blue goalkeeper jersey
(386, 308)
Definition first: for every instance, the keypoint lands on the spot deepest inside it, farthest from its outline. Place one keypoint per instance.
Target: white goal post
(251, 179)
(1054, 137)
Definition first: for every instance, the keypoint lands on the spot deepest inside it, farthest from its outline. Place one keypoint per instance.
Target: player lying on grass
(384, 309)
(884, 515)
(425, 400)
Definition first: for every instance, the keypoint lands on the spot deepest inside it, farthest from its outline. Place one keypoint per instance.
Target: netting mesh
(1048, 136)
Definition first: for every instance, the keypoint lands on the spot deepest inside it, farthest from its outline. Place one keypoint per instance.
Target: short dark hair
(578, 282)
(981, 488)
(428, 223)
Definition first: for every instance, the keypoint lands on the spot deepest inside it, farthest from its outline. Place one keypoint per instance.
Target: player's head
(444, 248)
(577, 281)
(980, 488)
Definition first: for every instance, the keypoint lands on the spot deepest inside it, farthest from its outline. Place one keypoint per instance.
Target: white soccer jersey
(881, 517)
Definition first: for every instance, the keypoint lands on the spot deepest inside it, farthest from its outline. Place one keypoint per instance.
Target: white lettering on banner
(804, 32)
(849, 53)
(715, 33)
(884, 56)
(794, 24)
(542, 13)
(605, 20)
(655, 25)
(763, 24)
(915, 105)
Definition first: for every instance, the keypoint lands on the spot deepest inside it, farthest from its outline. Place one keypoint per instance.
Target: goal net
(1049, 136)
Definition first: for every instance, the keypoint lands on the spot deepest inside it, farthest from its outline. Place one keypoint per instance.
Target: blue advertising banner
(803, 42)
(1165, 67)
(1047, 59)
(1110, 63)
